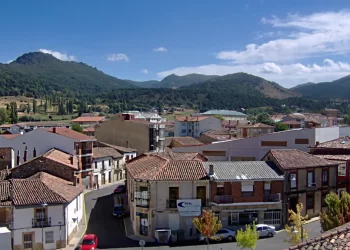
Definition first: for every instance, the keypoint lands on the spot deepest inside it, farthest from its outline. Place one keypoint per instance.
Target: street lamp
(42, 222)
(301, 232)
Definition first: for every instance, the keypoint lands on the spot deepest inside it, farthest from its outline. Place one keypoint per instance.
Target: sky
(289, 42)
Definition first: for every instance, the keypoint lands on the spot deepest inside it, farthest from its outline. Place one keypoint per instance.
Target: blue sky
(289, 42)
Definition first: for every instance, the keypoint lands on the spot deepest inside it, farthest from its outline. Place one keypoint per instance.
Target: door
(103, 180)
(96, 179)
(201, 194)
(28, 241)
(293, 201)
(110, 177)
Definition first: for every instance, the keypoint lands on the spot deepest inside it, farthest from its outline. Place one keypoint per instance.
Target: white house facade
(227, 114)
(194, 126)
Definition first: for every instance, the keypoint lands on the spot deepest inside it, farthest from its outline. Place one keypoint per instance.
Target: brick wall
(277, 187)
(45, 165)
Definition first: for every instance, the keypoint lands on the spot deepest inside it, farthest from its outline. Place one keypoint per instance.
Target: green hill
(36, 73)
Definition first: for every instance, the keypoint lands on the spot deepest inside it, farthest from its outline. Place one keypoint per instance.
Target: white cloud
(117, 57)
(160, 49)
(288, 75)
(313, 35)
(144, 71)
(58, 55)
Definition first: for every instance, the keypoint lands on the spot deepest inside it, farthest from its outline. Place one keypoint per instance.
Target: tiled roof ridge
(164, 167)
(160, 169)
(337, 139)
(42, 176)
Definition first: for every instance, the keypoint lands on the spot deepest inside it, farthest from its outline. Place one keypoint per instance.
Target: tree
(347, 119)
(220, 117)
(281, 127)
(77, 127)
(207, 224)
(247, 238)
(28, 108)
(34, 106)
(3, 115)
(296, 232)
(264, 118)
(338, 212)
(13, 112)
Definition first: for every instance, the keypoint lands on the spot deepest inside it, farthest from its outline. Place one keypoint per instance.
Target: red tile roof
(89, 119)
(100, 152)
(291, 122)
(191, 118)
(335, 157)
(154, 167)
(61, 157)
(43, 188)
(179, 156)
(293, 158)
(91, 129)
(255, 125)
(186, 141)
(70, 134)
(10, 136)
(341, 142)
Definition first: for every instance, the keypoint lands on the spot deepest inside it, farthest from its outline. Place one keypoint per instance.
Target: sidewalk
(312, 220)
(129, 231)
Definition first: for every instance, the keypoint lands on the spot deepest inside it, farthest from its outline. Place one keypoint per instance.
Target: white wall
(72, 211)
(196, 127)
(99, 171)
(39, 139)
(344, 131)
(251, 147)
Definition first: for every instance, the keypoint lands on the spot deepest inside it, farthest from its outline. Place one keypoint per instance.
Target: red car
(90, 242)
(120, 189)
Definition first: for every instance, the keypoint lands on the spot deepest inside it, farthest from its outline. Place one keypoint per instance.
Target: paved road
(111, 231)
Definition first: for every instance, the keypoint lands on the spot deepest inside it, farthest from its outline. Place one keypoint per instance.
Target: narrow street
(111, 230)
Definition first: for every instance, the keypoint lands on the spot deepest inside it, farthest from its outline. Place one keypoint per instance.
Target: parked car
(121, 188)
(265, 230)
(222, 234)
(90, 242)
(118, 210)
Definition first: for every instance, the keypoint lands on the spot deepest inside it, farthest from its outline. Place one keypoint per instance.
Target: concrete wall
(199, 127)
(344, 131)
(252, 147)
(74, 214)
(124, 133)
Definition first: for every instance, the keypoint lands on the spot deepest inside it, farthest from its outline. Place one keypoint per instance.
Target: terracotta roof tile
(341, 142)
(191, 118)
(155, 167)
(89, 119)
(291, 122)
(293, 158)
(43, 188)
(61, 157)
(70, 134)
(10, 136)
(179, 156)
(185, 141)
(5, 196)
(100, 152)
(91, 129)
(335, 157)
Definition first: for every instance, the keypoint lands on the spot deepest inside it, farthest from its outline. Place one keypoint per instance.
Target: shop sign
(191, 207)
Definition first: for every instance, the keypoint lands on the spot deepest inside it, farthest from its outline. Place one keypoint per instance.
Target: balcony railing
(311, 186)
(41, 222)
(220, 199)
(86, 151)
(272, 197)
(145, 195)
(142, 202)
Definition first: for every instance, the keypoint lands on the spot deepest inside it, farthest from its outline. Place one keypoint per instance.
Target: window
(233, 219)
(310, 201)
(342, 170)
(247, 189)
(76, 204)
(202, 194)
(323, 201)
(183, 131)
(28, 240)
(49, 237)
(325, 177)
(272, 217)
(310, 178)
(267, 188)
(220, 190)
(109, 162)
(293, 181)
(95, 164)
(173, 196)
(103, 164)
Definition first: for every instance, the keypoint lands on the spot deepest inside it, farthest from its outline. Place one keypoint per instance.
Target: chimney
(25, 155)
(54, 130)
(211, 169)
(18, 158)
(34, 152)
(317, 143)
(71, 160)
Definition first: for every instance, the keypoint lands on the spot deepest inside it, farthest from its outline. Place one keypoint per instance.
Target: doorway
(28, 241)
(96, 179)
(293, 201)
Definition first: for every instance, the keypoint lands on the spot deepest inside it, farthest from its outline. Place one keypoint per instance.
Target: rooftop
(101, 152)
(90, 129)
(70, 134)
(293, 159)
(224, 112)
(61, 157)
(185, 141)
(339, 158)
(10, 136)
(120, 149)
(44, 123)
(341, 142)
(291, 122)
(254, 125)
(89, 119)
(179, 156)
(157, 168)
(191, 118)
(244, 170)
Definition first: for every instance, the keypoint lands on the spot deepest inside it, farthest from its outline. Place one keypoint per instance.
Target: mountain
(37, 73)
(174, 81)
(336, 89)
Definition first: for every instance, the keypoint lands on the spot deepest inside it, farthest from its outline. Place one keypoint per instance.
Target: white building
(193, 126)
(254, 148)
(227, 114)
(51, 216)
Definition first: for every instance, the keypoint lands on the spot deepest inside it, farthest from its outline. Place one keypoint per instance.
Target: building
(46, 210)
(246, 192)
(7, 158)
(39, 141)
(89, 131)
(157, 183)
(28, 126)
(151, 117)
(226, 114)
(217, 135)
(253, 129)
(194, 126)
(174, 142)
(107, 165)
(88, 121)
(308, 179)
(254, 148)
(331, 112)
(298, 118)
(292, 124)
(125, 131)
(337, 151)
(169, 129)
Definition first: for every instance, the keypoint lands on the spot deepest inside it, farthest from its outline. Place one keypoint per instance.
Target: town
(122, 178)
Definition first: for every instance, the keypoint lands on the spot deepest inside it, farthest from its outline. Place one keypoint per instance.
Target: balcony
(145, 195)
(142, 203)
(311, 186)
(86, 151)
(41, 222)
(272, 197)
(222, 199)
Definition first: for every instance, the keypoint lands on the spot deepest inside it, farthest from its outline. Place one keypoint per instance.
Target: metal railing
(272, 197)
(46, 222)
(220, 199)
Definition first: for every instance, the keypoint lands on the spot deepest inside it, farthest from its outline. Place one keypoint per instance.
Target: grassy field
(186, 112)
(50, 117)
(18, 99)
